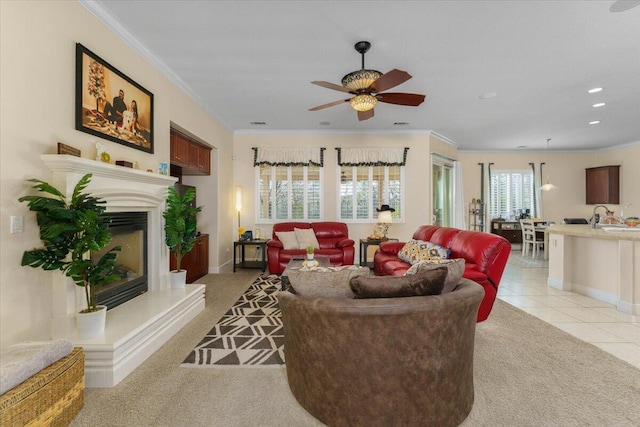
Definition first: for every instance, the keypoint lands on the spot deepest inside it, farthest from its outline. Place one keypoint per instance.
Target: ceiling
(253, 61)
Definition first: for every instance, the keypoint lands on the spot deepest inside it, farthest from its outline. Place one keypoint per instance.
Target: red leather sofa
(485, 258)
(333, 238)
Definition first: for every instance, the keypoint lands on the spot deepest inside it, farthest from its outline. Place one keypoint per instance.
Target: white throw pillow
(288, 239)
(306, 237)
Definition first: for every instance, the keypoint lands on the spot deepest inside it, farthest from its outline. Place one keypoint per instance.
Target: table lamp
(384, 219)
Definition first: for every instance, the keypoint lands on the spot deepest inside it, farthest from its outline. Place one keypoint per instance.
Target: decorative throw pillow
(325, 282)
(306, 237)
(288, 239)
(418, 250)
(454, 266)
(426, 282)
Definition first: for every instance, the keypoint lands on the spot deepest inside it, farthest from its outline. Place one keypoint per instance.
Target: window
(365, 188)
(289, 192)
(510, 191)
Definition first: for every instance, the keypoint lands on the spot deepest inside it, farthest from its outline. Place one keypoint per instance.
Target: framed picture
(111, 105)
(248, 235)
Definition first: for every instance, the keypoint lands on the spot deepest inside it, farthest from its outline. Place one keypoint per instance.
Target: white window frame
(272, 195)
(373, 214)
(493, 209)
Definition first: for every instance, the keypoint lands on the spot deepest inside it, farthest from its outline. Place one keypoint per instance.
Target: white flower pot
(310, 257)
(92, 324)
(178, 279)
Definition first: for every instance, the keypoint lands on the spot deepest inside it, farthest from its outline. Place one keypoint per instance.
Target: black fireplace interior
(129, 230)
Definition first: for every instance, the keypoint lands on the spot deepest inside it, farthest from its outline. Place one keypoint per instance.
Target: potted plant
(310, 251)
(180, 230)
(69, 231)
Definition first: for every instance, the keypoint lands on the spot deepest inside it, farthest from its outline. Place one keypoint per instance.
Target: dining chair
(529, 238)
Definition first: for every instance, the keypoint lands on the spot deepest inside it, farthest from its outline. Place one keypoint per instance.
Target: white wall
(417, 175)
(37, 83)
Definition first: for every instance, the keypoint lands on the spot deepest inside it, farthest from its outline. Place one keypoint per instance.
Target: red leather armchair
(485, 258)
(333, 238)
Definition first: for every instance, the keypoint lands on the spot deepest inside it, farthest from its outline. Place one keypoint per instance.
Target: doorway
(442, 191)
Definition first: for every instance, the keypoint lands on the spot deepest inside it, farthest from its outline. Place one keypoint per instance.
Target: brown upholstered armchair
(385, 361)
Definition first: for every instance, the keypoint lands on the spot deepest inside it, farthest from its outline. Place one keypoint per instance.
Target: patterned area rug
(250, 334)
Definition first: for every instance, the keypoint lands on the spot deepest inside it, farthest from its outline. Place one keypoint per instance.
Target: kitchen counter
(597, 262)
(585, 230)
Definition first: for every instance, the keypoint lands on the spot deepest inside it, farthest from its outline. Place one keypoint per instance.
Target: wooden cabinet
(179, 150)
(603, 185)
(510, 230)
(193, 157)
(195, 262)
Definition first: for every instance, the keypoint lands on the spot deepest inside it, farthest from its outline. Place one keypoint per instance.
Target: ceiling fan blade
(330, 104)
(331, 86)
(365, 115)
(411, 99)
(388, 80)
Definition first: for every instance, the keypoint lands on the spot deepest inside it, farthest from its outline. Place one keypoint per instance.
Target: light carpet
(526, 373)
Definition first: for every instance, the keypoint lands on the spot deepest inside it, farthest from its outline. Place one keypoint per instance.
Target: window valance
(372, 156)
(288, 156)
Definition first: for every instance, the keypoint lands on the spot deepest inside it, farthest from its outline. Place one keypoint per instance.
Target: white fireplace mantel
(138, 327)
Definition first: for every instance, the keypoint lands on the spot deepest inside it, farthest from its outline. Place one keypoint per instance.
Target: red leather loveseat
(333, 238)
(485, 258)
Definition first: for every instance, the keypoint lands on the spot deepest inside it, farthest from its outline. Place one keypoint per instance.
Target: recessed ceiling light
(400, 123)
(488, 95)
(595, 122)
(258, 123)
(622, 5)
(595, 90)
(521, 146)
(599, 104)
(325, 123)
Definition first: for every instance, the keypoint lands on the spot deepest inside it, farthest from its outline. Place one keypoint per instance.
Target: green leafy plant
(180, 223)
(69, 232)
(310, 249)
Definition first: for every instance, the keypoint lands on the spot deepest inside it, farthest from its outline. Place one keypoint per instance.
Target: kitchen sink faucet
(593, 215)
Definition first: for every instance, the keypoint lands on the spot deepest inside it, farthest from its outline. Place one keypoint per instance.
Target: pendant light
(548, 186)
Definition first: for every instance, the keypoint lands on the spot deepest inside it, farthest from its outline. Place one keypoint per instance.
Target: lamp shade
(238, 198)
(384, 217)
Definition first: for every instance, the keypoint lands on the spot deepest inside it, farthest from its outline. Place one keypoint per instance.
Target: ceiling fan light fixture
(361, 79)
(363, 102)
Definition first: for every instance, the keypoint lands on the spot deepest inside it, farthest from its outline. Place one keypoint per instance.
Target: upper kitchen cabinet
(193, 157)
(603, 185)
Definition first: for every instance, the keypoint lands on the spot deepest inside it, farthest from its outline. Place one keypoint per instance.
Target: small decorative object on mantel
(67, 149)
(102, 155)
(124, 163)
(163, 169)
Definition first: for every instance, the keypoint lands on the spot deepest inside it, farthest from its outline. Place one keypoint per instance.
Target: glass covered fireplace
(129, 231)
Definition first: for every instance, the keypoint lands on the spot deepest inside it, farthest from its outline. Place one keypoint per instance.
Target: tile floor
(524, 285)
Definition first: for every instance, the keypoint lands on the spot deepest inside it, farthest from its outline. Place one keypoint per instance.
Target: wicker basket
(52, 397)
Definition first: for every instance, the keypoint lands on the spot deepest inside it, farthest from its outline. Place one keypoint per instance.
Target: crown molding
(110, 21)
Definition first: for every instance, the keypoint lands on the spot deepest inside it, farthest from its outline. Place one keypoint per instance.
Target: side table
(364, 245)
(260, 245)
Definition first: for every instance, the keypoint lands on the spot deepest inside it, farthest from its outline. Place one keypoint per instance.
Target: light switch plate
(16, 224)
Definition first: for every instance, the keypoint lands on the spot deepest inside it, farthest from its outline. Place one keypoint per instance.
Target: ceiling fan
(368, 88)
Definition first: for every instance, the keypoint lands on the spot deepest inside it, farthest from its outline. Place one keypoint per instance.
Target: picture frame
(67, 149)
(248, 235)
(110, 105)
